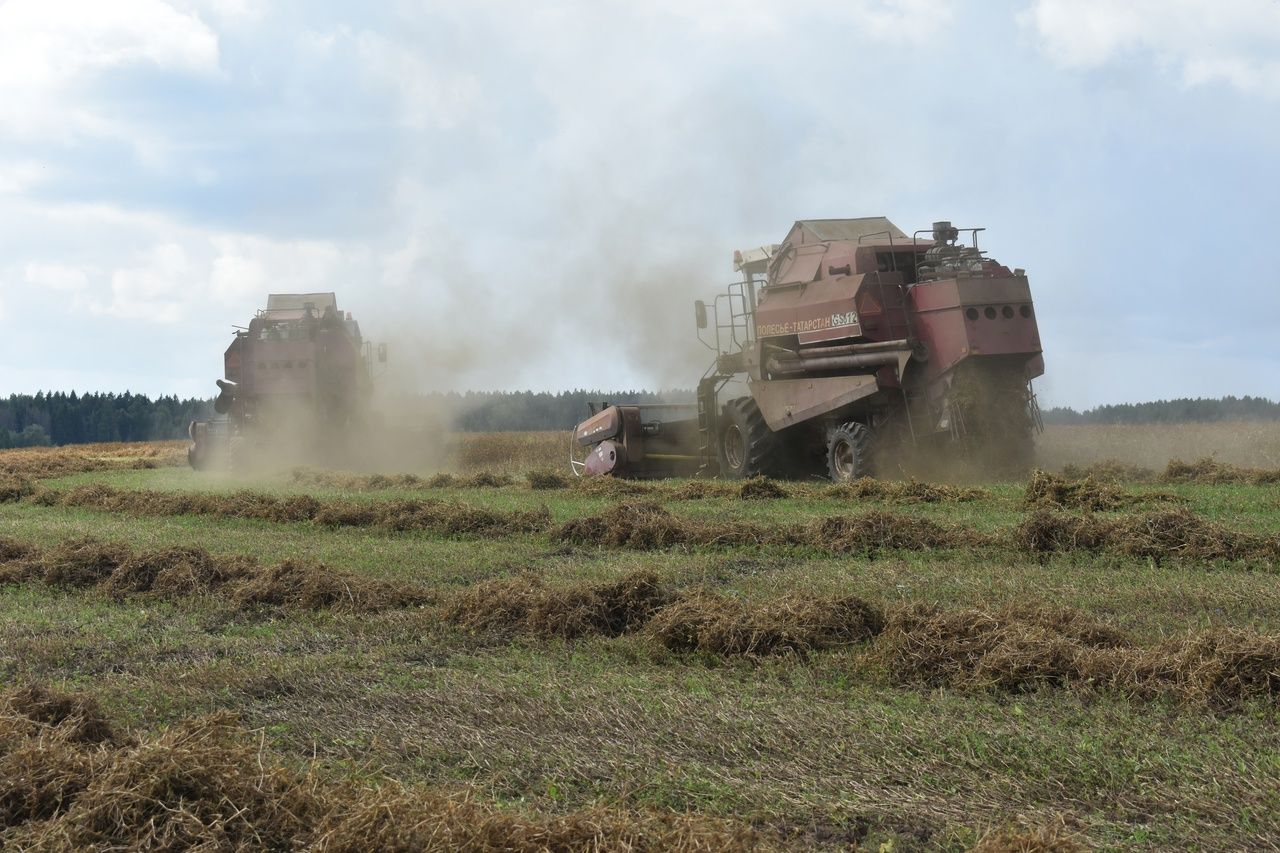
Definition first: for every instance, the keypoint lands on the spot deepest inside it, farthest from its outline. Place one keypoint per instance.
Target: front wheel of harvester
(849, 452)
(747, 444)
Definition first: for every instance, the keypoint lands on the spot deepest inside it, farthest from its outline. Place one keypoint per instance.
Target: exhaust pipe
(851, 356)
(832, 362)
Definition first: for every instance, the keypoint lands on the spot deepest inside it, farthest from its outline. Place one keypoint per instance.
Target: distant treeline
(58, 418)
(1184, 410)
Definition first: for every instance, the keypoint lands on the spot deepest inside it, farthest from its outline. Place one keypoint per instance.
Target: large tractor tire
(849, 452)
(747, 446)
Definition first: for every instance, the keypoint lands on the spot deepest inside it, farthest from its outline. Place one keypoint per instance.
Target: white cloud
(63, 278)
(1204, 41)
(155, 289)
(18, 177)
(246, 268)
(237, 12)
(48, 48)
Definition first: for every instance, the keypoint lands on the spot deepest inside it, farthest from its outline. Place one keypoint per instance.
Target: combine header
(845, 351)
(297, 383)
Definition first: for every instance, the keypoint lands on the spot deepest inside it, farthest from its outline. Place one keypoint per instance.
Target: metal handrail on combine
(731, 337)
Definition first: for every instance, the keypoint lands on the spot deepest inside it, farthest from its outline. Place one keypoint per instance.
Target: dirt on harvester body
(297, 387)
(846, 350)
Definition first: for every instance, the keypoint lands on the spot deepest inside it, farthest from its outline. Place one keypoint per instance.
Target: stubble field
(504, 658)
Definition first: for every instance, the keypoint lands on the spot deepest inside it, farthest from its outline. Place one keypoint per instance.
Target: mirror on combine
(382, 353)
(700, 313)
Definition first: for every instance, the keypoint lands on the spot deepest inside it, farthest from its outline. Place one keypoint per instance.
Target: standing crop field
(501, 657)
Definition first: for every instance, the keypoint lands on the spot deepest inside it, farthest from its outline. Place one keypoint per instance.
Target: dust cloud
(626, 289)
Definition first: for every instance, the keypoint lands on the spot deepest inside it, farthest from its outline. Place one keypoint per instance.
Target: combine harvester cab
(296, 383)
(846, 350)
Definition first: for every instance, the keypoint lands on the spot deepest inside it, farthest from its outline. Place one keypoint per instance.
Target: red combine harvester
(297, 383)
(846, 351)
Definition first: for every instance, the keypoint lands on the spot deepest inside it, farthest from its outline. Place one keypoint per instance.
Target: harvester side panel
(817, 313)
(786, 402)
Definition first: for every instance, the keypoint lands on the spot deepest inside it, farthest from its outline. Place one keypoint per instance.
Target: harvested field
(508, 655)
(45, 462)
(1253, 444)
(512, 451)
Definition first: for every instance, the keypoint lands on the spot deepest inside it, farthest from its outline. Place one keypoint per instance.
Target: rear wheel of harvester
(747, 445)
(849, 452)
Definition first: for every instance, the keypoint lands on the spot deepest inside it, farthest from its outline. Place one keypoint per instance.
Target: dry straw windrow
(1047, 839)
(1051, 491)
(760, 488)
(1109, 471)
(1019, 650)
(438, 516)
(708, 621)
(14, 487)
(904, 492)
(1164, 534)
(407, 482)
(526, 605)
(1209, 470)
(649, 526)
(116, 570)
(68, 782)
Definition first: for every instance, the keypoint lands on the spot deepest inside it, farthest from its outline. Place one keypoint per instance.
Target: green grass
(790, 742)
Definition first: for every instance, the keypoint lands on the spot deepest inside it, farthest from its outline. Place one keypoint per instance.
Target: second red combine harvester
(846, 350)
(297, 387)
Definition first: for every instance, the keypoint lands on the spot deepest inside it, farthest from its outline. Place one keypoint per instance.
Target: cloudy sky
(530, 195)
